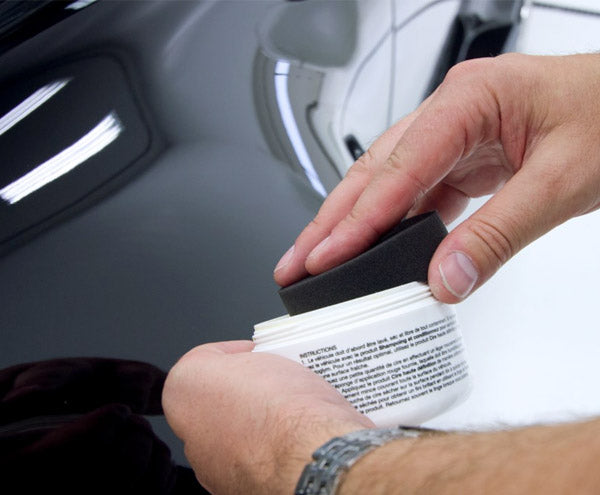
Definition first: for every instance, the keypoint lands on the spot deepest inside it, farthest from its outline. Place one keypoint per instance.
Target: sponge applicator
(402, 255)
(374, 331)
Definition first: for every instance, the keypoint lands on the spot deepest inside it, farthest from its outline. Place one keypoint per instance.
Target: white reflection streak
(79, 4)
(30, 104)
(282, 69)
(92, 143)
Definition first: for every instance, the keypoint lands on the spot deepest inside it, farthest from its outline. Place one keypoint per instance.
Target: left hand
(250, 421)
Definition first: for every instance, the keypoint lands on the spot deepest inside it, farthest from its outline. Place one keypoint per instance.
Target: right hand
(524, 127)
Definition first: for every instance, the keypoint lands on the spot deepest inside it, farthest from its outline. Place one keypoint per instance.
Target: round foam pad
(402, 255)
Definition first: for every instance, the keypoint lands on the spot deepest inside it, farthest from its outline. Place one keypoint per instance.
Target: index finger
(339, 203)
(451, 126)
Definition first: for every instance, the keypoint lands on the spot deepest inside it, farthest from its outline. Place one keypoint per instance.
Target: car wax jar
(397, 355)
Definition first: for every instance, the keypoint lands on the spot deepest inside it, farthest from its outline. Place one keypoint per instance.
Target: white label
(370, 376)
(402, 366)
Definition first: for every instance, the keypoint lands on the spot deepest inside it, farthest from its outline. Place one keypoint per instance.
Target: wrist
(301, 444)
(377, 465)
(332, 460)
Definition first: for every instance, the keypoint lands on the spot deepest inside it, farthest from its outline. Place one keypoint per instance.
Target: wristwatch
(331, 461)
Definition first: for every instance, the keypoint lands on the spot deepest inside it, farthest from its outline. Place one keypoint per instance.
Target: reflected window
(30, 104)
(89, 145)
(336, 90)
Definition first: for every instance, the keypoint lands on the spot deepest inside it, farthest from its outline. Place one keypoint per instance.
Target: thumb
(523, 210)
(217, 349)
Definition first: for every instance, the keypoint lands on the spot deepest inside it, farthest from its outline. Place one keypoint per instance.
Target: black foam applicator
(400, 256)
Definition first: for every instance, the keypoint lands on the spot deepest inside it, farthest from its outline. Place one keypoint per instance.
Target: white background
(532, 333)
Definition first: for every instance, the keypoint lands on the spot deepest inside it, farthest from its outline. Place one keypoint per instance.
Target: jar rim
(342, 315)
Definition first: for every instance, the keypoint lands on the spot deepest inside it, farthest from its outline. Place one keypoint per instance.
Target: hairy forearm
(542, 459)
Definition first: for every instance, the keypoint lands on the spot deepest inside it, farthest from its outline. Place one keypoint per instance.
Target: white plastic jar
(396, 355)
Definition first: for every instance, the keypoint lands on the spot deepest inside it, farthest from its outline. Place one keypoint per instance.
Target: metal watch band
(334, 458)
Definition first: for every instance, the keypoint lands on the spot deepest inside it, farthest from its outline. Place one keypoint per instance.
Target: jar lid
(400, 256)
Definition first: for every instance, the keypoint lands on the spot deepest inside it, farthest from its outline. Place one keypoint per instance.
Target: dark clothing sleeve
(76, 426)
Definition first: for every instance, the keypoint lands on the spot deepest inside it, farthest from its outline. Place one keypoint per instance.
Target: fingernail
(458, 274)
(318, 248)
(285, 259)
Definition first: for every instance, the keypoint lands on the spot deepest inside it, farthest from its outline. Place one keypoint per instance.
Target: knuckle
(468, 69)
(315, 223)
(363, 165)
(367, 230)
(395, 164)
(501, 245)
(316, 227)
(473, 82)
